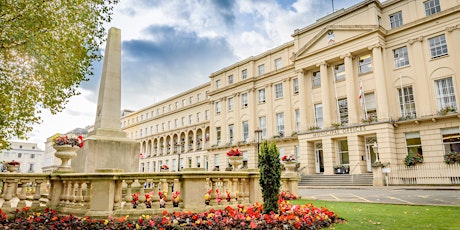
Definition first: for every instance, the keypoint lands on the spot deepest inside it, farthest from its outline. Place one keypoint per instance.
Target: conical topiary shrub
(270, 175)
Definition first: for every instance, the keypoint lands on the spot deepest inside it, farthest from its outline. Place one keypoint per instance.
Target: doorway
(319, 162)
(370, 154)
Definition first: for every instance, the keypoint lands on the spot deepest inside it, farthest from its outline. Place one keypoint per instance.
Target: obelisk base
(108, 151)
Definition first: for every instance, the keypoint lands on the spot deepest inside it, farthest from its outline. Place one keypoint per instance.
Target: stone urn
(235, 161)
(290, 166)
(12, 168)
(65, 153)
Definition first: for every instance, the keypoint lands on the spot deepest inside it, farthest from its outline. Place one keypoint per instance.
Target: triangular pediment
(332, 35)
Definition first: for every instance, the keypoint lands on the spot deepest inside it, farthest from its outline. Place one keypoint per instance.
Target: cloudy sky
(169, 46)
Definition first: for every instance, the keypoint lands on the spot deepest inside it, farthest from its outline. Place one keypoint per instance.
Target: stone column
(325, 95)
(352, 93)
(380, 82)
(418, 61)
(329, 155)
(303, 95)
(270, 123)
(289, 123)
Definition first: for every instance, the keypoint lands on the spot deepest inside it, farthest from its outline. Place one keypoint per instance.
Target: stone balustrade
(110, 192)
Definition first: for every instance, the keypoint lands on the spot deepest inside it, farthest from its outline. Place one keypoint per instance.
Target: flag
(361, 93)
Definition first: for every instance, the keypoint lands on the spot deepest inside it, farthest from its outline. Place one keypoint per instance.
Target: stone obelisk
(107, 146)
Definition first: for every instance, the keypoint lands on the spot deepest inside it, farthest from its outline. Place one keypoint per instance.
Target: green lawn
(389, 216)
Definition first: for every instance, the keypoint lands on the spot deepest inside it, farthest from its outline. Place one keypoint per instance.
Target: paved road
(410, 195)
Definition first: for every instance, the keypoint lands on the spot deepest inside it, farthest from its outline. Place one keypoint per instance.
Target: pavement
(409, 195)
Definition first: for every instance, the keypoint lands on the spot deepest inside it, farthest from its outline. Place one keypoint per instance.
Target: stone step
(337, 180)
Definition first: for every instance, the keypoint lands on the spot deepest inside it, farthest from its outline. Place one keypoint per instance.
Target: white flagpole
(313, 106)
(362, 98)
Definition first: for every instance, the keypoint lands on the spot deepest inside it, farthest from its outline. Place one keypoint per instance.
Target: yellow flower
(137, 226)
(248, 218)
(106, 222)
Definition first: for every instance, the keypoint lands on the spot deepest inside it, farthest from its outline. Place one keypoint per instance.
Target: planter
(65, 153)
(12, 168)
(235, 161)
(290, 166)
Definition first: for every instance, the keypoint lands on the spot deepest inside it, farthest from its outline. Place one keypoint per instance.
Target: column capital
(412, 41)
(377, 45)
(301, 71)
(321, 63)
(452, 28)
(347, 55)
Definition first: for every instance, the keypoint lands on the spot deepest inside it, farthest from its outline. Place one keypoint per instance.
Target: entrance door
(370, 154)
(319, 162)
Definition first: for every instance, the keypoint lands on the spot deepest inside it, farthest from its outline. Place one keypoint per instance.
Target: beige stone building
(375, 77)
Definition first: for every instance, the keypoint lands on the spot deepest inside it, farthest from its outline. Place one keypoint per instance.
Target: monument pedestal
(113, 150)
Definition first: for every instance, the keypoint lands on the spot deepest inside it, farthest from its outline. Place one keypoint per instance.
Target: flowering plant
(13, 162)
(207, 195)
(234, 153)
(73, 141)
(164, 167)
(175, 196)
(283, 195)
(413, 159)
(219, 197)
(288, 158)
(229, 197)
(452, 158)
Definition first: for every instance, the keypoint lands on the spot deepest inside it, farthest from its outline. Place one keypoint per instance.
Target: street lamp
(375, 147)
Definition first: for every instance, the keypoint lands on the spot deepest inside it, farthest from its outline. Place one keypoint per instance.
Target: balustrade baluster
(213, 191)
(79, 197)
(22, 196)
(225, 189)
(87, 196)
(244, 182)
(141, 204)
(63, 196)
(71, 200)
(4, 188)
(11, 183)
(37, 195)
(129, 195)
(241, 193)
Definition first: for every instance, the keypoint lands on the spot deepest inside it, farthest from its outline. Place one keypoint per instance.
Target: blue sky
(169, 46)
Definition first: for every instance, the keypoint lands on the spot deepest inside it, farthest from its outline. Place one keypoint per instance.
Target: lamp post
(258, 133)
(375, 147)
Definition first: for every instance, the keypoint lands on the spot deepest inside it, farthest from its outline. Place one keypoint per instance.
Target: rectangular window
(218, 107)
(406, 102)
(164, 111)
(163, 126)
(413, 143)
(198, 161)
(280, 123)
(32, 156)
(183, 121)
(183, 102)
(230, 79)
(445, 94)
(263, 126)
(396, 20)
(343, 152)
(217, 84)
(206, 114)
(319, 115)
(218, 135)
(438, 46)
(400, 57)
(371, 106)
(175, 123)
(244, 73)
(432, 7)
(295, 84)
(169, 126)
(230, 104)
(190, 119)
(365, 64)
(170, 108)
(198, 97)
(316, 79)
(245, 131)
(244, 100)
(343, 110)
(279, 90)
(297, 120)
(198, 117)
(277, 63)
(191, 100)
(261, 95)
(230, 133)
(339, 72)
(261, 69)
(451, 140)
(177, 104)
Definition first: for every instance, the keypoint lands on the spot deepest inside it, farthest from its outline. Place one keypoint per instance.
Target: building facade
(375, 81)
(27, 154)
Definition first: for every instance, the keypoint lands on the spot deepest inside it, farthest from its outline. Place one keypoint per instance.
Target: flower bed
(243, 217)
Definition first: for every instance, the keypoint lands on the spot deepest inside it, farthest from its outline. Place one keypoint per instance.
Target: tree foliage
(46, 49)
(270, 175)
